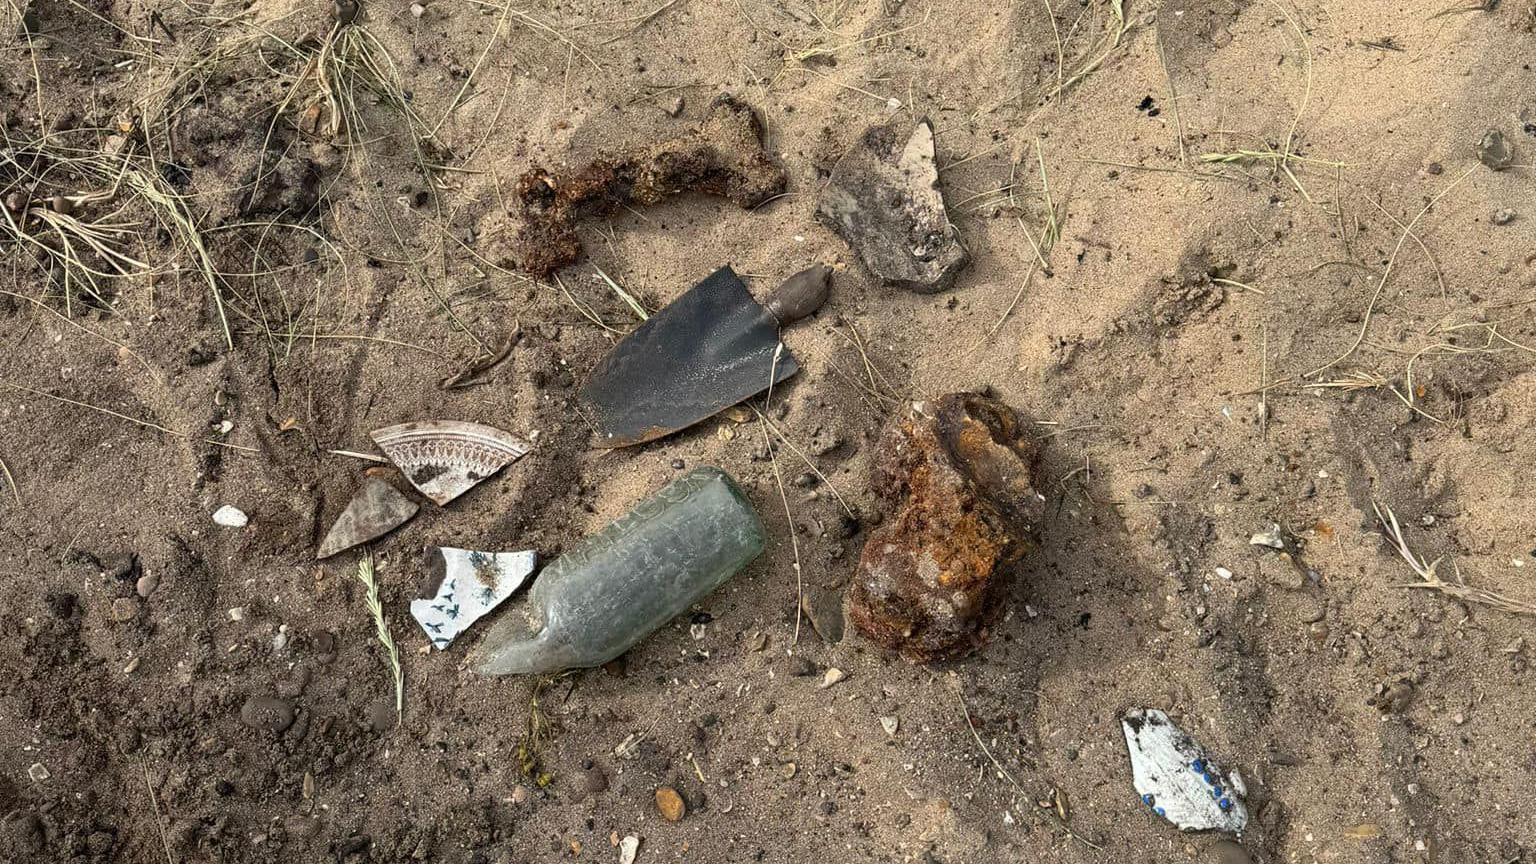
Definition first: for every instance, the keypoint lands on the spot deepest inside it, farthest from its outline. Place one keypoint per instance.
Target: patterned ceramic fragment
(377, 509)
(1176, 779)
(462, 585)
(446, 458)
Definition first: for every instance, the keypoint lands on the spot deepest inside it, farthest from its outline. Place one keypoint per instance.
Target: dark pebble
(267, 712)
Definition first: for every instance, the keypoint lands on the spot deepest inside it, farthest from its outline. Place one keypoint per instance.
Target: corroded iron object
(377, 509)
(616, 586)
(444, 459)
(959, 472)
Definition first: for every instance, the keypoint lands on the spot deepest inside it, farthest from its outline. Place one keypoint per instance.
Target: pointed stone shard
(462, 585)
(884, 201)
(377, 509)
(444, 459)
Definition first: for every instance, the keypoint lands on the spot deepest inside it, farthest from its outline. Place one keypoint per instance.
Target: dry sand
(1177, 292)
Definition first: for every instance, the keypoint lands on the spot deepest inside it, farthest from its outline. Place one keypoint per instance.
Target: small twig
(110, 413)
(154, 805)
(10, 481)
(1430, 579)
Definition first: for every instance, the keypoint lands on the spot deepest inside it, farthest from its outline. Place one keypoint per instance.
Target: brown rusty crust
(724, 157)
(960, 472)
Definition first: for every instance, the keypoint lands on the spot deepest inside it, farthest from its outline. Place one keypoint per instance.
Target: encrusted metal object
(444, 459)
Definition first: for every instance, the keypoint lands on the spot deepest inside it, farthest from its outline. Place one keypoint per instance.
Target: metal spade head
(377, 509)
(706, 351)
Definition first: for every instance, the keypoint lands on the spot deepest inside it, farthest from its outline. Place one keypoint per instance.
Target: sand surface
(1211, 347)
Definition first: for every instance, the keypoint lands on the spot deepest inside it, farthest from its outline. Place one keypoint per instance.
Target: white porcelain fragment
(1176, 779)
(230, 517)
(462, 585)
(446, 458)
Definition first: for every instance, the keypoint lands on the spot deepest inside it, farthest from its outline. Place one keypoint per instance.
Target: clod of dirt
(1228, 852)
(724, 156)
(1494, 151)
(267, 712)
(884, 201)
(124, 609)
(1392, 698)
(1503, 216)
(670, 804)
(960, 473)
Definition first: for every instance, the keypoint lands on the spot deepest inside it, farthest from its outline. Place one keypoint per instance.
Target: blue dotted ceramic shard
(1174, 776)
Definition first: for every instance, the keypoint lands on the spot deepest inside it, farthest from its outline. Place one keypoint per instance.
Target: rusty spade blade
(706, 351)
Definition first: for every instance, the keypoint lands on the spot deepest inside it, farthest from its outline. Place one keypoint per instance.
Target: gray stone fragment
(1494, 151)
(884, 201)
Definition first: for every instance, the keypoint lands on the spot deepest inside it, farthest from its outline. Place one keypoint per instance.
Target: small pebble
(1228, 852)
(38, 772)
(418, 10)
(124, 609)
(1494, 151)
(670, 804)
(146, 584)
(675, 107)
(230, 517)
(267, 712)
(890, 725)
(629, 847)
(521, 794)
(832, 677)
(1503, 216)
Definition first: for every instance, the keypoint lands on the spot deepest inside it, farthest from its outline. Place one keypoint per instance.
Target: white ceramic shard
(1176, 779)
(446, 458)
(462, 585)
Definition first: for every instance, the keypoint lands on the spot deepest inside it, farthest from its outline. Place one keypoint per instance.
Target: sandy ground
(1165, 354)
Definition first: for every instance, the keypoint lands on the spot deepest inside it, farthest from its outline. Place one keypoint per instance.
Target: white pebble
(230, 517)
(629, 847)
(890, 725)
(38, 772)
(833, 676)
(417, 10)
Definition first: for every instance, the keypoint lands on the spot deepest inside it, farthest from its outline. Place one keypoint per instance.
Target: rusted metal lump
(960, 473)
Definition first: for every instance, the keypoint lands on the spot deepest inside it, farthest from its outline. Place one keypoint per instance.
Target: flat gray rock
(884, 201)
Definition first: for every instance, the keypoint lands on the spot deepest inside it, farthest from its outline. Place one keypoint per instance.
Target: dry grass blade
(367, 576)
(1047, 812)
(1429, 578)
(134, 420)
(10, 481)
(1370, 308)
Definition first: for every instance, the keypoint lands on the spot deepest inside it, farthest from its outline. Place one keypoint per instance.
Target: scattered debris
(462, 585)
(884, 201)
(1176, 779)
(707, 350)
(444, 459)
(670, 804)
(230, 517)
(1494, 151)
(724, 156)
(959, 472)
(629, 847)
(614, 587)
(832, 677)
(377, 509)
